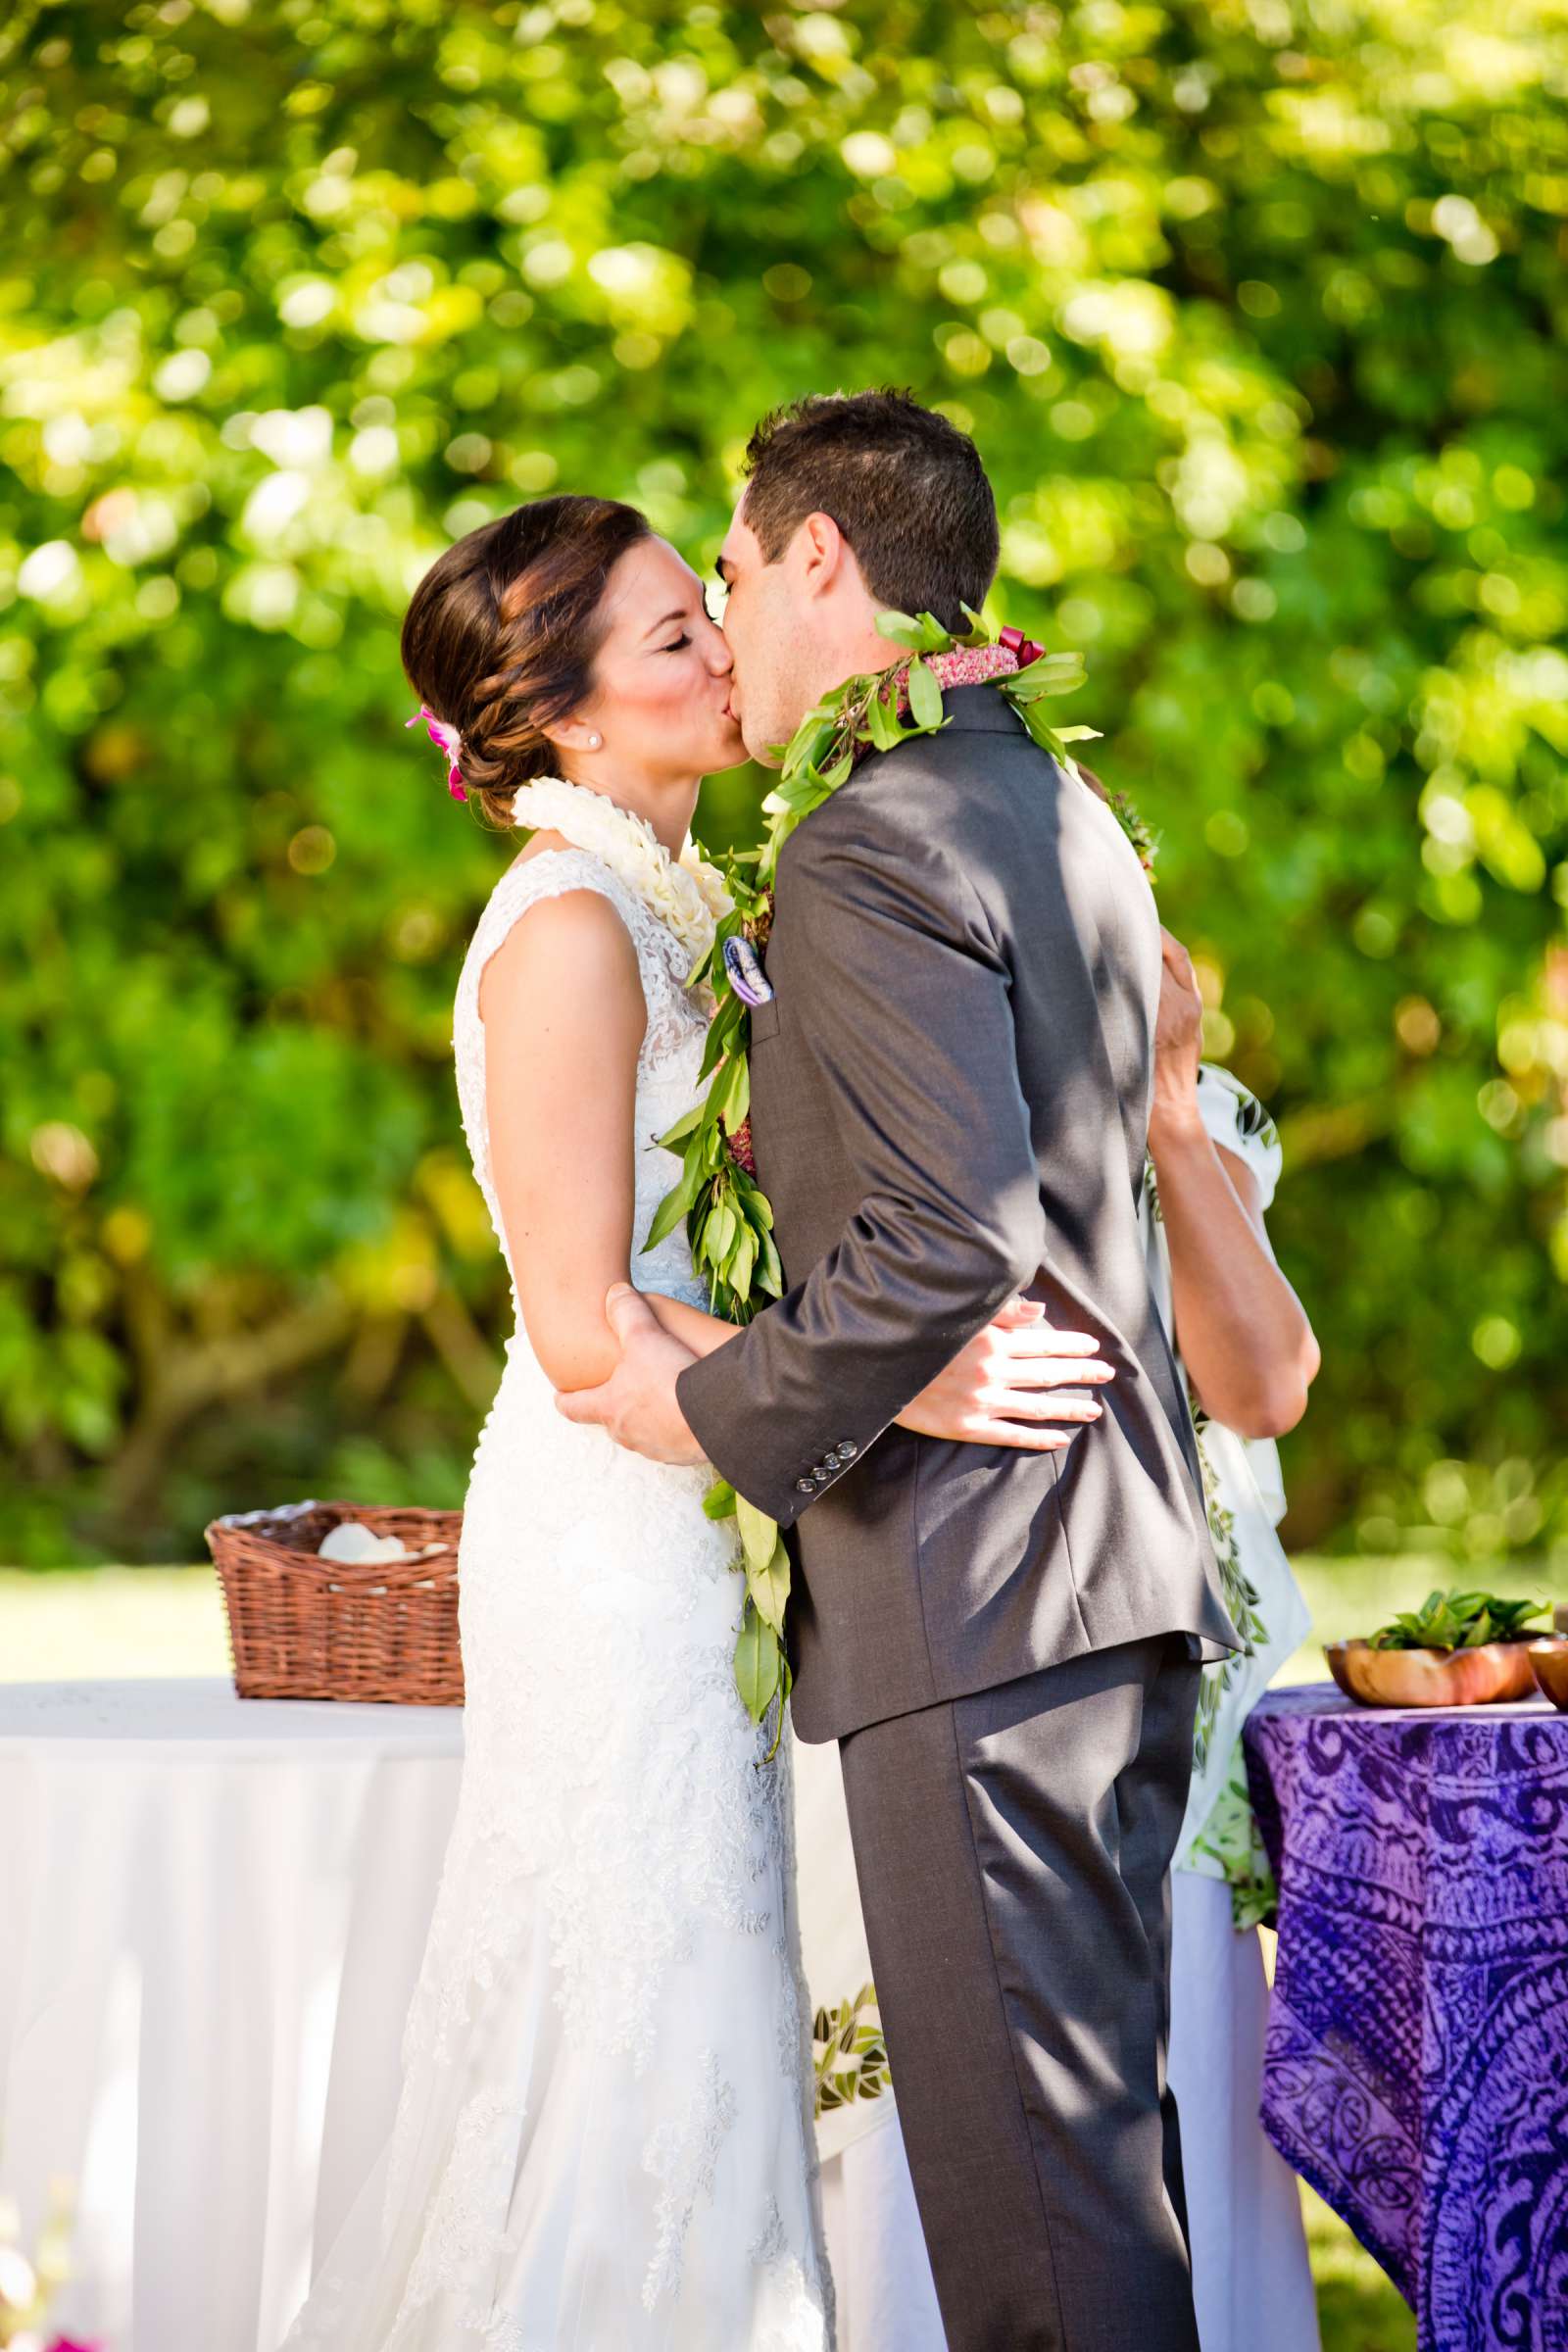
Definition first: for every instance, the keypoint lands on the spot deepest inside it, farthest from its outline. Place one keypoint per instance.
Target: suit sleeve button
(847, 1449)
(805, 1486)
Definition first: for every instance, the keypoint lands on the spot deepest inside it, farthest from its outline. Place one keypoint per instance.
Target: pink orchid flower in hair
(450, 741)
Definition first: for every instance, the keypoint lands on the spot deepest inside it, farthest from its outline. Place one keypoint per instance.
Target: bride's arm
(693, 1326)
(562, 1008)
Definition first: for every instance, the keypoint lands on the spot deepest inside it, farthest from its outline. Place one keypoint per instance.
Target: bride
(603, 2141)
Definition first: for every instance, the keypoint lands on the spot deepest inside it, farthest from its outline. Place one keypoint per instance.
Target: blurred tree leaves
(1256, 312)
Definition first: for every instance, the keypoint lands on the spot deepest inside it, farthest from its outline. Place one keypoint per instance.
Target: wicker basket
(302, 1627)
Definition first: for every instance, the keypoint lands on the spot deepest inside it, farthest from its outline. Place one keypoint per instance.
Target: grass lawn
(59, 1623)
(170, 1621)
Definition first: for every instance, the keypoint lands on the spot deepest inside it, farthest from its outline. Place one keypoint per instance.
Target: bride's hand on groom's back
(1004, 1388)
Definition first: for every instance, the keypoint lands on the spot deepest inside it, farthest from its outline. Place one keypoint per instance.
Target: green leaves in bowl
(1458, 1621)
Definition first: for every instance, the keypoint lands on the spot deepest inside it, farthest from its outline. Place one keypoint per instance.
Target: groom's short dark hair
(905, 487)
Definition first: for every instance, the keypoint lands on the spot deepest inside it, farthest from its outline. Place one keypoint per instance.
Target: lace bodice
(667, 1063)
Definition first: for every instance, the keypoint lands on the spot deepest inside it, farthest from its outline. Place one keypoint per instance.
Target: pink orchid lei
(975, 666)
(965, 665)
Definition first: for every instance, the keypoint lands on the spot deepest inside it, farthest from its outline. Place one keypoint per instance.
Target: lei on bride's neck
(728, 1218)
(687, 894)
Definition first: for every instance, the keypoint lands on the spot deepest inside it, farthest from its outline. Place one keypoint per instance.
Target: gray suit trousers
(1014, 1852)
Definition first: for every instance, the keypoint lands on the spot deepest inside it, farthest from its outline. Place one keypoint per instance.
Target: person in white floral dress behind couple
(1249, 1356)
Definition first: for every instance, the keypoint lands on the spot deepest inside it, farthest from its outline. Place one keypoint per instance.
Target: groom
(949, 1085)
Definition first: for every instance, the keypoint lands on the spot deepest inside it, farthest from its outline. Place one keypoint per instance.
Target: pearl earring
(593, 743)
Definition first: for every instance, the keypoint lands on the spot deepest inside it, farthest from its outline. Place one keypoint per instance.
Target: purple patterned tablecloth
(1416, 2070)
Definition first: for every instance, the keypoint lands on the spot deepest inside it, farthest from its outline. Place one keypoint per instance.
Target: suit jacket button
(847, 1449)
(805, 1486)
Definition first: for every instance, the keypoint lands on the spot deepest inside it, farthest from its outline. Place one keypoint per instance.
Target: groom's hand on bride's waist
(1014, 1382)
(637, 1403)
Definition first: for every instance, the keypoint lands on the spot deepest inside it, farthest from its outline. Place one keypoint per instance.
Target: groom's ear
(821, 553)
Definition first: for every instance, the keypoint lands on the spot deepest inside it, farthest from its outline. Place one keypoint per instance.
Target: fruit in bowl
(1459, 1649)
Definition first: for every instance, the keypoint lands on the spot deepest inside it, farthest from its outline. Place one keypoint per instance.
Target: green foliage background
(1257, 309)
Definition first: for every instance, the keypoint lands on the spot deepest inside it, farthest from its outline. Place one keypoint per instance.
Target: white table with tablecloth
(214, 1914)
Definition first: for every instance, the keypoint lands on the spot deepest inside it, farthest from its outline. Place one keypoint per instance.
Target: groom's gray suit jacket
(949, 1095)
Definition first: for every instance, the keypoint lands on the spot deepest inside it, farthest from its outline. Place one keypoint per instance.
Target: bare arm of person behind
(1243, 1333)
(562, 1008)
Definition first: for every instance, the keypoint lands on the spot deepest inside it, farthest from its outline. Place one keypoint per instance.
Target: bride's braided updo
(500, 638)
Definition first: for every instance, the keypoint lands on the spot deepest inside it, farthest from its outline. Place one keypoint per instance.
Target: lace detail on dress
(667, 1064)
(458, 2248)
(683, 2153)
(593, 2149)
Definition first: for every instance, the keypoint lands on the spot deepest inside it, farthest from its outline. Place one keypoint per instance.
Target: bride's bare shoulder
(569, 943)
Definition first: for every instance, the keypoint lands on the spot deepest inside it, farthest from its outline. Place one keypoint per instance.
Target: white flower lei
(688, 896)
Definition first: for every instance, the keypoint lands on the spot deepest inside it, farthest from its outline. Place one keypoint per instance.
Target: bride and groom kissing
(962, 1409)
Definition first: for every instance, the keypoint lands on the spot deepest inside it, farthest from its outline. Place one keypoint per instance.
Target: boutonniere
(744, 969)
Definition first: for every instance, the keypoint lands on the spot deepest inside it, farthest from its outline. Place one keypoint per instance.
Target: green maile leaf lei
(729, 1222)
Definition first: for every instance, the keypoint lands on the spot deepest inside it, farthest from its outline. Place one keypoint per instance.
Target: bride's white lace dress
(604, 2141)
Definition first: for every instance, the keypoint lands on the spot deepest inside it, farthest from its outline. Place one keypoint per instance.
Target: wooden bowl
(1549, 1663)
(1432, 1678)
